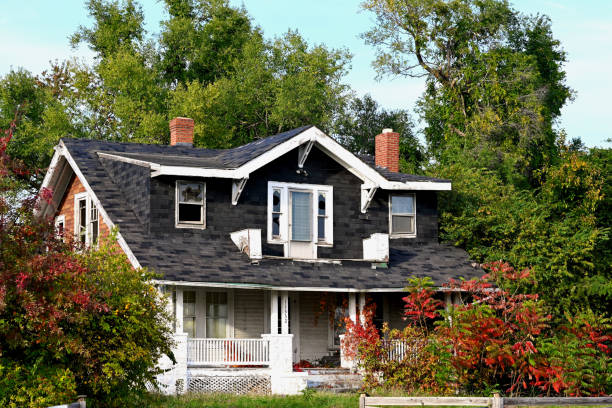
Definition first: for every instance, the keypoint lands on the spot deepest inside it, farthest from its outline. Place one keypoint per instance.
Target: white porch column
(352, 307)
(179, 309)
(284, 312)
(448, 298)
(362, 303)
(274, 312)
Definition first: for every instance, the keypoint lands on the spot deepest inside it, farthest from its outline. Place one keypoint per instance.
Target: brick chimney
(387, 150)
(181, 132)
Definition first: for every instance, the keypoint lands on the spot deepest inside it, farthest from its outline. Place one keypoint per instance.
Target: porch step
(334, 380)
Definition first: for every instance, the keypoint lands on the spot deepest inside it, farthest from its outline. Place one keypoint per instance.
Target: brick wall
(387, 150)
(66, 208)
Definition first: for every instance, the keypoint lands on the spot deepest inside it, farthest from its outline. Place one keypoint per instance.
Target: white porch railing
(226, 352)
(398, 350)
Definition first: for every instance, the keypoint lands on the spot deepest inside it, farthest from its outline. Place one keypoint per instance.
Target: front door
(301, 242)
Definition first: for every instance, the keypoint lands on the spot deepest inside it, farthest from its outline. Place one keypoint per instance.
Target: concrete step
(338, 382)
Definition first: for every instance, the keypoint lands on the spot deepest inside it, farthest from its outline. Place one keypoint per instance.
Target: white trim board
(328, 145)
(277, 288)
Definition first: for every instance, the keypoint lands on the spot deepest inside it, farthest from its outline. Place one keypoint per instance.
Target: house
(250, 240)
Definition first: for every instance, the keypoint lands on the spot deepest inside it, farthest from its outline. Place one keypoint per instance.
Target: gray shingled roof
(190, 258)
(182, 156)
(396, 176)
(206, 158)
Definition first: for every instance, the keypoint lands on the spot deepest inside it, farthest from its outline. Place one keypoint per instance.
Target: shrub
(34, 385)
(494, 339)
(72, 320)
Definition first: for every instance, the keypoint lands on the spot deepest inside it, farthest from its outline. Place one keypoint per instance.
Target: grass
(306, 400)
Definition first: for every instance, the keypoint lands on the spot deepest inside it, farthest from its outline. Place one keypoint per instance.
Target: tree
(358, 125)
(45, 115)
(210, 63)
(60, 302)
(202, 39)
(495, 82)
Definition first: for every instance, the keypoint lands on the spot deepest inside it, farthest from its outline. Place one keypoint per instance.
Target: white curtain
(301, 216)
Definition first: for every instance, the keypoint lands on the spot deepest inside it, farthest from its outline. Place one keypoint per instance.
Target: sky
(34, 32)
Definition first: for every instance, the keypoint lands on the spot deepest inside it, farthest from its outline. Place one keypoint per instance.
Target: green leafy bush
(34, 385)
(72, 320)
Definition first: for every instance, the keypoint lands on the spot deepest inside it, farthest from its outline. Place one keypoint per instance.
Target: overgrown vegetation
(72, 320)
(521, 192)
(494, 339)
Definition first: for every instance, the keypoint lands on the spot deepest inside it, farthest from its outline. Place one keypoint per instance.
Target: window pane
(276, 225)
(189, 303)
(94, 223)
(402, 224)
(321, 232)
(191, 192)
(83, 221)
(190, 213)
(276, 199)
(402, 205)
(321, 204)
(216, 314)
(189, 326)
(189, 312)
(301, 216)
(216, 328)
(216, 304)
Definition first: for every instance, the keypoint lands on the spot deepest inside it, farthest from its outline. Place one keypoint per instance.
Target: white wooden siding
(249, 312)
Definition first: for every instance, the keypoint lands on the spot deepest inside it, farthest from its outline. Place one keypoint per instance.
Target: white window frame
(88, 221)
(189, 224)
(402, 234)
(60, 219)
(285, 188)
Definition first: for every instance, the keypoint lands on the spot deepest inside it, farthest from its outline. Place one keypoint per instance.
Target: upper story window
(86, 220)
(60, 226)
(402, 216)
(300, 213)
(190, 204)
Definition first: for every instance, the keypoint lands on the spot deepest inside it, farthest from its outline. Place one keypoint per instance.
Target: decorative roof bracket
(304, 150)
(367, 194)
(237, 187)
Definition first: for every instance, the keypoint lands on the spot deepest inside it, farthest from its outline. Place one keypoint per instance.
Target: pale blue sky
(33, 32)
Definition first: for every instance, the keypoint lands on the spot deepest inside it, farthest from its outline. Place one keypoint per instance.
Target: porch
(254, 336)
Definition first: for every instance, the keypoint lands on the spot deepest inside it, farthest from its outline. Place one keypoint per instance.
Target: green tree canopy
(495, 82)
(364, 118)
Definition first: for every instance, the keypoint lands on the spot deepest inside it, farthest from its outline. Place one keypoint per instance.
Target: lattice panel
(179, 386)
(247, 384)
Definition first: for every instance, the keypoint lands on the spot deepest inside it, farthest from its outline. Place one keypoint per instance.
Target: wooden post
(179, 309)
(274, 312)
(284, 312)
(362, 304)
(497, 401)
(362, 398)
(352, 306)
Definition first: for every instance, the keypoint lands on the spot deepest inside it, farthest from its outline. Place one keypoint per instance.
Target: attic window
(86, 220)
(190, 204)
(402, 216)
